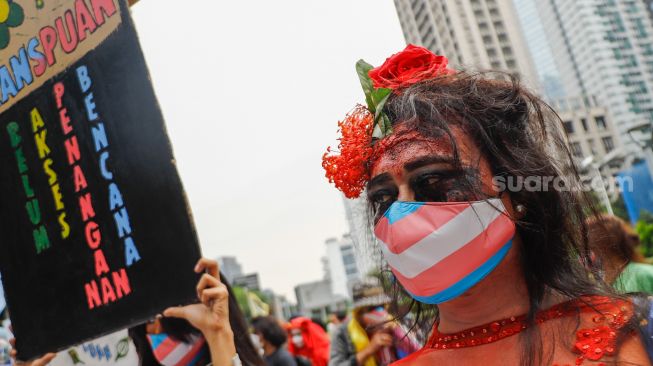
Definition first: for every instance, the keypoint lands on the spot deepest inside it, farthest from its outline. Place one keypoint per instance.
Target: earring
(520, 208)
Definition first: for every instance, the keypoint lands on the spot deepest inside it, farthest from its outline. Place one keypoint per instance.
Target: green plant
(644, 228)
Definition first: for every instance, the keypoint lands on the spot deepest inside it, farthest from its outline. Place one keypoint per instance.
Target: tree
(644, 228)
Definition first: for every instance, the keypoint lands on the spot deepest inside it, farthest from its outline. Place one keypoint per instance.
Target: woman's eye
(432, 180)
(383, 198)
(431, 188)
(429, 181)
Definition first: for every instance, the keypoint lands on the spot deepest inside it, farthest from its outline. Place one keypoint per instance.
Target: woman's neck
(502, 294)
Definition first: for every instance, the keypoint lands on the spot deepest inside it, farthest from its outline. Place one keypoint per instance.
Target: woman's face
(424, 169)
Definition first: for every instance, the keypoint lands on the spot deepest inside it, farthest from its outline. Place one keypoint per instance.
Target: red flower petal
(349, 170)
(408, 67)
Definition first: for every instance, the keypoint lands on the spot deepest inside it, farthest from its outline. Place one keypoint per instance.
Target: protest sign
(95, 231)
(115, 349)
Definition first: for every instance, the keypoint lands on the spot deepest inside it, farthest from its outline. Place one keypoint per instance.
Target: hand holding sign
(41, 361)
(211, 317)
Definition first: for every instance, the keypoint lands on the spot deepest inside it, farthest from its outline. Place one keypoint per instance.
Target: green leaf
(379, 97)
(363, 68)
(386, 125)
(16, 15)
(4, 36)
(377, 133)
(375, 98)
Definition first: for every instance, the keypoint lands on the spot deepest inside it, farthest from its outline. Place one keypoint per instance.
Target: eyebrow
(428, 160)
(410, 166)
(379, 179)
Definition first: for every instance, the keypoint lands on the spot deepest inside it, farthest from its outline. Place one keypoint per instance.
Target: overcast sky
(251, 92)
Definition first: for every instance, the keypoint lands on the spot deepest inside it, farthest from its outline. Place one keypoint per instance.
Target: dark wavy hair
(181, 329)
(520, 136)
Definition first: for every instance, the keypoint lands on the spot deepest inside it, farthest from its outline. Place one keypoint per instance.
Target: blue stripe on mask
(398, 210)
(468, 281)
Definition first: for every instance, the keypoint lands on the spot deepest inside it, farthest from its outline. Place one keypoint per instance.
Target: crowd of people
(496, 277)
(215, 332)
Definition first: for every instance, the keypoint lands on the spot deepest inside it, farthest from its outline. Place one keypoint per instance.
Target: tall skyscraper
(604, 48)
(649, 7)
(540, 49)
(360, 233)
(478, 34)
(342, 268)
(230, 268)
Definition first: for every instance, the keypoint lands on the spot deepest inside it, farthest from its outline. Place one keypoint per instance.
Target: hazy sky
(251, 92)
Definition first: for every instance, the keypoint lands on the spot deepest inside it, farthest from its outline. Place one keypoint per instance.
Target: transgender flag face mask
(439, 250)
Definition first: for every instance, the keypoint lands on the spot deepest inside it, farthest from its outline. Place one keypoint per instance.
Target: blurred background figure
(370, 337)
(615, 245)
(335, 319)
(272, 338)
(309, 340)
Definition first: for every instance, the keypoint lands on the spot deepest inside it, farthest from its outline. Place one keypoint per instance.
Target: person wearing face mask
(211, 332)
(272, 338)
(308, 341)
(370, 337)
(477, 209)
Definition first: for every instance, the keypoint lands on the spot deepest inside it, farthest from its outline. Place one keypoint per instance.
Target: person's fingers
(12, 341)
(206, 281)
(213, 295)
(383, 339)
(210, 265)
(387, 340)
(43, 361)
(175, 312)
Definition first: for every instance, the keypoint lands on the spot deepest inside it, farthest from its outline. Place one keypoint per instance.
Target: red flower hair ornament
(350, 169)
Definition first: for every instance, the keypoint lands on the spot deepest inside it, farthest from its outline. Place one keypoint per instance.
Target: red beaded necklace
(500, 329)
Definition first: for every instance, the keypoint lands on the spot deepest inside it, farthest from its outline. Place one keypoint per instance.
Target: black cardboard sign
(95, 231)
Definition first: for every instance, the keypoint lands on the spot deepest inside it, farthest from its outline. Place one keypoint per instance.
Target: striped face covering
(170, 352)
(439, 250)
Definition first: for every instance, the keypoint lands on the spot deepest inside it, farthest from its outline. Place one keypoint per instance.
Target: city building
(230, 268)
(316, 300)
(248, 281)
(540, 49)
(649, 8)
(590, 130)
(604, 48)
(476, 34)
(368, 253)
(280, 307)
(341, 265)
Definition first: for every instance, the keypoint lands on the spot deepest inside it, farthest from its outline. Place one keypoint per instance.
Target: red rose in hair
(408, 67)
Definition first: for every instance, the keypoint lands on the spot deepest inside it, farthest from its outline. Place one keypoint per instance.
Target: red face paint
(404, 145)
(407, 146)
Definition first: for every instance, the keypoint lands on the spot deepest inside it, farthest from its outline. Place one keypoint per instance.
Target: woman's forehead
(412, 146)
